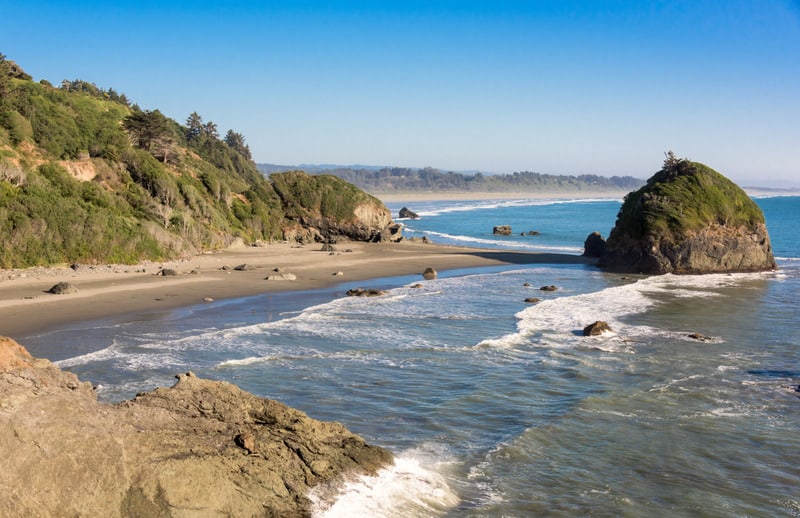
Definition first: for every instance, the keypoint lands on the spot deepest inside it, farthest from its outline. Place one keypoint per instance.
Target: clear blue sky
(561, 87)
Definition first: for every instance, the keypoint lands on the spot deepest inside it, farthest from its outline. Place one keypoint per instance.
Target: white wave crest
(406, 488)
(504, 243)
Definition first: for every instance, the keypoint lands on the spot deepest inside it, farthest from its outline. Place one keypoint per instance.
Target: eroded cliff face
(200, 447)
(688, 219)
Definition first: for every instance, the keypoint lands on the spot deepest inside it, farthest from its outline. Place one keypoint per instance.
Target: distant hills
(381, 180)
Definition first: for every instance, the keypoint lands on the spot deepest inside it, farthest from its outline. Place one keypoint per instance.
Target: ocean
(496, 407)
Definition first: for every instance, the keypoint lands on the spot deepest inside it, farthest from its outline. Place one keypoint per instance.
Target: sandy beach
(26, 307)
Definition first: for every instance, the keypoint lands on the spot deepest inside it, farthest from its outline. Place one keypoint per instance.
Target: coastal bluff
(200, 447)
(688, 219)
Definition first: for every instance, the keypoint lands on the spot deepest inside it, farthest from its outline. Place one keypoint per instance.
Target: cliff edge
(688, 219)
(200, 447)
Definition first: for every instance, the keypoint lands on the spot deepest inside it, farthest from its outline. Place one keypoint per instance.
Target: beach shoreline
(110, 290)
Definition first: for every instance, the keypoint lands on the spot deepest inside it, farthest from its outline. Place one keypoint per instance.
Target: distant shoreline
(402, 197)
(419, 196)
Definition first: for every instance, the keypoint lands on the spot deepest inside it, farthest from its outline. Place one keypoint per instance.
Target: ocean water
(498, 408)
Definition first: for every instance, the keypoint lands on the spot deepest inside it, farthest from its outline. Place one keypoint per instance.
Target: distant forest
(402, 179)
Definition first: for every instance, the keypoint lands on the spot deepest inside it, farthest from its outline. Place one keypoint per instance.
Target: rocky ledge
(688, 219)
(200, 447)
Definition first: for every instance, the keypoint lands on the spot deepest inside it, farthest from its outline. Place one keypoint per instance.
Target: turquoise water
(495, 407)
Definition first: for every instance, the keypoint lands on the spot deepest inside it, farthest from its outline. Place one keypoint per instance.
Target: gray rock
(281, 277)
(407, 213)
(366, 292)
(596, 328)
(594, 245)
(429, 273)
(63, 288)
(502, 230)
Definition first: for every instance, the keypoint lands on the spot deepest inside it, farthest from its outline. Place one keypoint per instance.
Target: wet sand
(110, 290)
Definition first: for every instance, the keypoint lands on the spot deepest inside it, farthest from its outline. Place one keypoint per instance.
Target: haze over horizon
(499, 86)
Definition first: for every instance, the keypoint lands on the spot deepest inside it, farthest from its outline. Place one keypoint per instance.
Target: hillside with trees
(88, 176)
(379, 180)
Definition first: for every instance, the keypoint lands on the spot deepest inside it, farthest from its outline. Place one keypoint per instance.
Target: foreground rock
(688, 219)
(200, 448)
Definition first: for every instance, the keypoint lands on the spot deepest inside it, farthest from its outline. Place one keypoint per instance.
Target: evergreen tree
(236, 142)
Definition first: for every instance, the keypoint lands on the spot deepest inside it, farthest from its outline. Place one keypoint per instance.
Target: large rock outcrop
(200, 448)
(688, 219)
(324, 207)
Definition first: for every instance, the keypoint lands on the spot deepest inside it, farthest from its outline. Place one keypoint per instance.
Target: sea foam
(409, 487)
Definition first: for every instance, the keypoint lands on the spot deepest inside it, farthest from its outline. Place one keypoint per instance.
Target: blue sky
(561, 87)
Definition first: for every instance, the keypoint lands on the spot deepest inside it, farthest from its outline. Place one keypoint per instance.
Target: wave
(558, 323)
(412, 486)
(500, 243)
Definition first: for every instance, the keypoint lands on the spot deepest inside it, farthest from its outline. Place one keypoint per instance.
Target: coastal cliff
(688, 219)
(200, 447)
(87, 176)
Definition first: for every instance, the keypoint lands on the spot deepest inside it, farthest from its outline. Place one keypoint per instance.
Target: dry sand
(27, 308)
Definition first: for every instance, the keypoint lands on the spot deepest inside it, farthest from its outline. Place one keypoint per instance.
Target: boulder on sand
(63, 288)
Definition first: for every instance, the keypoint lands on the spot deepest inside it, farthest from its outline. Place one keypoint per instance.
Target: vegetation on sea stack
(685, 196)
(688, 218)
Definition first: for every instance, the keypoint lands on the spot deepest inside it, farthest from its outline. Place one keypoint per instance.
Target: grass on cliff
(685, 197)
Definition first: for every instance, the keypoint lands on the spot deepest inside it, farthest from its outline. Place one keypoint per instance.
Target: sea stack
(688, 219)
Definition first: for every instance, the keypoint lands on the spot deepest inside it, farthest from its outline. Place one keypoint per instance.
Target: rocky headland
(199, 448)
(688, 219)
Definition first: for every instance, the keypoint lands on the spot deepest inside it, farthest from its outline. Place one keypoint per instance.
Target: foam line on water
(558, 323)
(502, 243)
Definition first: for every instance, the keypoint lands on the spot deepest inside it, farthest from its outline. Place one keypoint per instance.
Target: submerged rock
(201, 447)
(366, 292)
(688, 219)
